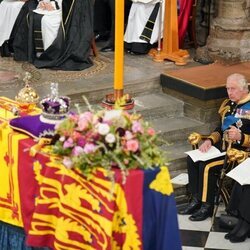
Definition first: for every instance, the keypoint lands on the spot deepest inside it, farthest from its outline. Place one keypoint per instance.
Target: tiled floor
(200, 235)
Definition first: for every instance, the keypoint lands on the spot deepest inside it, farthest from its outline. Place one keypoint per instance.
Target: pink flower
(76, 135)
(81, 141)
(68, 143)
(128, 135)
(151, 131)
(84, 120)
(137, 127)
(132, 145)
(67, 162)
(87, 116)
(77, 151)
(82, 124)
(89, 148)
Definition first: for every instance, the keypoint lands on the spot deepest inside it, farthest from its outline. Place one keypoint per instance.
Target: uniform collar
(244, 100)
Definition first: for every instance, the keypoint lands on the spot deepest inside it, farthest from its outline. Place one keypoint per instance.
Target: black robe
(71, 48)
(239, 201)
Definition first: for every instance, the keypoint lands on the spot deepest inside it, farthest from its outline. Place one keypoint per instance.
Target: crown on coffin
(55, 107)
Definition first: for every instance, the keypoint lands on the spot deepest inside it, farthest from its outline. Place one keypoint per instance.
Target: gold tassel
(37, 147)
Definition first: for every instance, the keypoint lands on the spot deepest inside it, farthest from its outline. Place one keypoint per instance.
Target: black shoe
(191, 207)
(228, 222)
(203, 213)
(234, 230)
(241, 234)
(107, 48)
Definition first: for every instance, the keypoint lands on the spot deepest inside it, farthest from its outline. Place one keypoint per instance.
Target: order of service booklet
(241, 173)
(212, 153)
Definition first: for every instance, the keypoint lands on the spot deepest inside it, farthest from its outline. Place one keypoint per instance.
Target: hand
(41, 5)
(234, 134)
(45, 6)
(205, 146)
(49, 6)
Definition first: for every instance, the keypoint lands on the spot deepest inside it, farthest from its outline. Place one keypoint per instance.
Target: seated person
(67, 31)
(202, 175)
(51, 12)
(9, 10)
(139, 38)
(239, 205)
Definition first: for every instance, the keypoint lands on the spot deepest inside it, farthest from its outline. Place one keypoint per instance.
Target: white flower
(110, 138)
(103, 128)
(62, 138)
(111, 115)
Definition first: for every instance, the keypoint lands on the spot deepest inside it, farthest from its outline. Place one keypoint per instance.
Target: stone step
(96, 93)
(181, 200)
(177, 129)
(175, 156)
(158, 105)
(151, 106)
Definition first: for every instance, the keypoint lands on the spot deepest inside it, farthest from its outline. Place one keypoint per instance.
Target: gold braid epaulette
(224, 108)
(215, 137)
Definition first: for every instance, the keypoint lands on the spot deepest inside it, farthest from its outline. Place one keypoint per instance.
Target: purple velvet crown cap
(56, 108)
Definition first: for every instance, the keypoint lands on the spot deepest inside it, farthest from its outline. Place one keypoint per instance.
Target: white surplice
(9, 10)
(50, 23)
(138, 16)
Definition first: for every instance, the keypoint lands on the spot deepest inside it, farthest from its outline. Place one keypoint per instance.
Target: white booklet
(241, 173)
(212, 153)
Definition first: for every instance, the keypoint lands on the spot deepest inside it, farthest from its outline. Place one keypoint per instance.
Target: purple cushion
(33, 126)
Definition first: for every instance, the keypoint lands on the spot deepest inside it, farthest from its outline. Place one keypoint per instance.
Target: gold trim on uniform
(215, 137)
(224, 109)
(246, 142)
(246, 99)
(205, 177)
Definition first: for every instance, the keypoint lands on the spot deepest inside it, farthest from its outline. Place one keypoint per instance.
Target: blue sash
(231, 119)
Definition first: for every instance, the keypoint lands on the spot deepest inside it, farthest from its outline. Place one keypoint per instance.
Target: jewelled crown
(55, 107)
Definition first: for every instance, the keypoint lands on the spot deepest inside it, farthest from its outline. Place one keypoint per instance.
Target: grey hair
(240, 79)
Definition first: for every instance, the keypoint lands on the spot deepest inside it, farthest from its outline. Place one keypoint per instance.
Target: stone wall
(229, 38)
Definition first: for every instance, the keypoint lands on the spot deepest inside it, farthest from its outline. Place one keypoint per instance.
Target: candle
(119, 48)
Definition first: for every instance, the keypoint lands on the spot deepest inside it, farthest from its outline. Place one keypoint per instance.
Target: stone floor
(137, 69)
(201, 235)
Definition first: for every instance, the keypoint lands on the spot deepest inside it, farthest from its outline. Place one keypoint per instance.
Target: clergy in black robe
(239, 206)
(71, 48)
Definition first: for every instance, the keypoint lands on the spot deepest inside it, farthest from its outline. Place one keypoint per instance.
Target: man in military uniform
(203, 175)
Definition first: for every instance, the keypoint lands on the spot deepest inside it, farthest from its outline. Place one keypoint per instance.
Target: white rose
(103, 128)
(110, 138)
(112, 115)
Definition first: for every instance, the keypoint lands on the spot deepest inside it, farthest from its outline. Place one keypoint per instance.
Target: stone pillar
(229, 38)
(204, 16)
